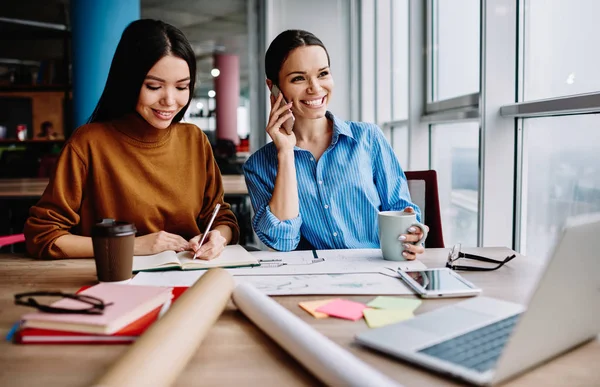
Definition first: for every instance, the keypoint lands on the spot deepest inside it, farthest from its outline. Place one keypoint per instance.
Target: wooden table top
(34, 187)
(235, 352)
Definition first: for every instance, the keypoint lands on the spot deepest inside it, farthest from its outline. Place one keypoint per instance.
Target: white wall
(329, 20)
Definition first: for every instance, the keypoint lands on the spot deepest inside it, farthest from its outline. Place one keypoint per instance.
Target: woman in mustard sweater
(135, 161)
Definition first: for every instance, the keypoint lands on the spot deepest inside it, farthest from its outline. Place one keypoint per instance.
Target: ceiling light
(571, 79)
(211, 93)
(215, 72)
(199, 105)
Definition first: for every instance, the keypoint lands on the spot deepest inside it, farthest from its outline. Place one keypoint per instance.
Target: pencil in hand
(210, 222)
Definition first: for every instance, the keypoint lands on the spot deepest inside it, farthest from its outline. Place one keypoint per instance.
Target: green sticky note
(383, 302)
(380, 317)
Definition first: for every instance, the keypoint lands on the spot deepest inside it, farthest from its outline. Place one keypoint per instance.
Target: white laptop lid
(564, 310)
(566, 300)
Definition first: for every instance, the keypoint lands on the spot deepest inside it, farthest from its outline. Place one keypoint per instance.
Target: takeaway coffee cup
(392, 224)
(113, 250)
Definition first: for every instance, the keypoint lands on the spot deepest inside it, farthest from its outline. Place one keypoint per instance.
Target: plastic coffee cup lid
(113, 228)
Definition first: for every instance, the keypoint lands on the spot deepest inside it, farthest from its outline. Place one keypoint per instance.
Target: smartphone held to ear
(288, 125)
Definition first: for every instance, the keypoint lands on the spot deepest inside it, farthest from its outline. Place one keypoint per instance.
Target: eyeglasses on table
(455, 254)
(40, 300)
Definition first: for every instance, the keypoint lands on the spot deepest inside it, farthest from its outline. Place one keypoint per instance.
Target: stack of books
(133, 310)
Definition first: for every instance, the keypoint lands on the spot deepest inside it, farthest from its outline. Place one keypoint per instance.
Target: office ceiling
(212, 26)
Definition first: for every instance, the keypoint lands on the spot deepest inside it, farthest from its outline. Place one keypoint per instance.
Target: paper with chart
(300, 284)
(335, 262)
(342, 272)
(326, 284)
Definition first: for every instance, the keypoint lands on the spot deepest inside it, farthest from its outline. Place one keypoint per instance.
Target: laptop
(485, 341)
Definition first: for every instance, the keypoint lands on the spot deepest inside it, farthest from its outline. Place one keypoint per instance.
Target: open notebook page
(232, 256)
(160, 260)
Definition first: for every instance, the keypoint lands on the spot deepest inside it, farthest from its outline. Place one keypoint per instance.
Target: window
(560, 170)
(561, 40)
(388, 21)
(399, 60)
(456, 26)
(561, 177)
(453, 105)
(455, 157)
(383, 61)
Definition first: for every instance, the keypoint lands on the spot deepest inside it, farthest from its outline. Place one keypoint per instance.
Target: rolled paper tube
(162, 352)
(326, 360)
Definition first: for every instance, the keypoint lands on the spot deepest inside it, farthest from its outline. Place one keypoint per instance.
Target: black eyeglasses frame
(97, 305)
(459, 254)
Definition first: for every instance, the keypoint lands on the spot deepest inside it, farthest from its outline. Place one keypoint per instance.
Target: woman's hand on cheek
(158, 242)
(211, 248)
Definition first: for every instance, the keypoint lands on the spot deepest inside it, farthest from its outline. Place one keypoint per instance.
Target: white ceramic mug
(392, 224)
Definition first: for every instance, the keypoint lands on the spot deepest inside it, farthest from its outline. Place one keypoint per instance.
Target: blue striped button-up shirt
(340, 195)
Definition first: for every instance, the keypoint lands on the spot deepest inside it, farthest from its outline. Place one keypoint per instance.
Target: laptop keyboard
(479, 349)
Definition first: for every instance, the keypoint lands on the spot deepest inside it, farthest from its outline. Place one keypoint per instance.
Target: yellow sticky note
(380, 317)
(383, 302)
(310, 307)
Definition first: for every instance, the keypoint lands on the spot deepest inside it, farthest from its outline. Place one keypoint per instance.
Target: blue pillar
(96, 27)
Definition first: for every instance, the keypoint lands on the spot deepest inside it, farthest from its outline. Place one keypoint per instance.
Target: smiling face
(165, 91)
(306, 81)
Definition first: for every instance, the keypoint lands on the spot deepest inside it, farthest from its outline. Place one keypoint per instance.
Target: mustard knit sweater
(158, 179)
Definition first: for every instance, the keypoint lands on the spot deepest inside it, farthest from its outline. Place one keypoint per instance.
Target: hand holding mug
(400, 235)
(412, 240)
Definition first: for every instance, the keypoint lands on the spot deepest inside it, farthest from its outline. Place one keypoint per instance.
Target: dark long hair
(282, 45)
(143, 43)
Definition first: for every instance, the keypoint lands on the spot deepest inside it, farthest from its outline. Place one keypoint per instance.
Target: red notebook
(125, 336)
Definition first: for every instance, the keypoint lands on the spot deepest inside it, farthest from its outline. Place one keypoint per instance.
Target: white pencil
(210, 222)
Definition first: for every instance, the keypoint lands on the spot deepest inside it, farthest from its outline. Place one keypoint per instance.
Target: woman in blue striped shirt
(325, 181)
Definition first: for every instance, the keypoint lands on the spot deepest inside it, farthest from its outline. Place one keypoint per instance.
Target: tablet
(435, 283)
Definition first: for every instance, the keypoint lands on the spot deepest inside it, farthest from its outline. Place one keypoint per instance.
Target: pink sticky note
(311, 307)
(349, 310)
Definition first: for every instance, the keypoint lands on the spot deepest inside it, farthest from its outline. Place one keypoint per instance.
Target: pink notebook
(129, 304)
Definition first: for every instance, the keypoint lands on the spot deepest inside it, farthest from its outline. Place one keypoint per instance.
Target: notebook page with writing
(160, 261)
(232, 256)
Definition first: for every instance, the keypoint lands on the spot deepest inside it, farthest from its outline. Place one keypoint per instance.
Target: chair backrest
(424, 193)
